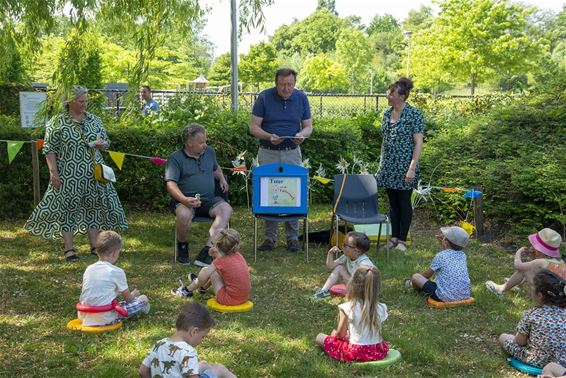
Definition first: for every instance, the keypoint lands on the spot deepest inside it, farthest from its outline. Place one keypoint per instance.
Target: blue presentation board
(280, 189)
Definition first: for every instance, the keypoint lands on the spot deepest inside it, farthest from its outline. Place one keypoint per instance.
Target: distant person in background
(150, 106)
(402, 129)
(282, 111)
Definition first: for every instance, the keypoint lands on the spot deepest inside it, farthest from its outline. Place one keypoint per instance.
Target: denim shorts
(208, 373)
(429, 288)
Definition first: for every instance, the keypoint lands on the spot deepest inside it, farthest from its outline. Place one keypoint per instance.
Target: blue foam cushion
(525, 368)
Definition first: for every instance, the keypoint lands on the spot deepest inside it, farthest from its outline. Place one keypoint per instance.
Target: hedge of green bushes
(515, 153)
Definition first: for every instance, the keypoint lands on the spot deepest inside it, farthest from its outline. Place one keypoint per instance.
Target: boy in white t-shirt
(176, 356)
(356, 245)
(103, 282)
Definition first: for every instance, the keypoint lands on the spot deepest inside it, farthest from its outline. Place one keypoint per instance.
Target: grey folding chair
(355, 202)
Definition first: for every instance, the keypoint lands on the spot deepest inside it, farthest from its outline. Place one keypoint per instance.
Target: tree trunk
(473, 83)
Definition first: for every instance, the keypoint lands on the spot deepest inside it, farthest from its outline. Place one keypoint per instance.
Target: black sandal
(71, 255)
(93, 251)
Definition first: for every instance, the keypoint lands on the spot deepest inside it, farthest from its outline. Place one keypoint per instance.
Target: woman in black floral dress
(402, 128)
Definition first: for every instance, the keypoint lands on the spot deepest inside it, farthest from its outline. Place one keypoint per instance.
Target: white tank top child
(358, 335)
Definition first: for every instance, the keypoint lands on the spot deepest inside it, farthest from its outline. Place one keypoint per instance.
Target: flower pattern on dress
(545, 326)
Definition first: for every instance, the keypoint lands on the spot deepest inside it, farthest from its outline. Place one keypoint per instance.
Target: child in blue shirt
(450, 268)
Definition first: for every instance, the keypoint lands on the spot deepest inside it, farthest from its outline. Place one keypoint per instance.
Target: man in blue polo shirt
(190, 177)
(281, 119)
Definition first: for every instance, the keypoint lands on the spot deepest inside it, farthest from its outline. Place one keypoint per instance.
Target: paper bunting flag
(468, 227)
(13, 149)
(472, 193)
(39, 143)
(451, 190)
(322, 180)
(118, 158)
(158, 161)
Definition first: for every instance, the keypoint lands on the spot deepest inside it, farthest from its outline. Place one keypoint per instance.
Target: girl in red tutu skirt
(358, 336)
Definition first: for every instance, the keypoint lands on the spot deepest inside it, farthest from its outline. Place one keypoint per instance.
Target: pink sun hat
(546, 241)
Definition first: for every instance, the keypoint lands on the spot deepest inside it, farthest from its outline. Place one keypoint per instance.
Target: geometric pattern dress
(81, 202)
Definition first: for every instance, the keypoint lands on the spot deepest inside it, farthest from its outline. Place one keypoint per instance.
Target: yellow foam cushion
(437, 304)
(214, 305)
(77, 325)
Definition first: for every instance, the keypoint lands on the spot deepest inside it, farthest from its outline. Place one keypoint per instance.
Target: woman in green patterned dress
(402, 128)
(74, 201)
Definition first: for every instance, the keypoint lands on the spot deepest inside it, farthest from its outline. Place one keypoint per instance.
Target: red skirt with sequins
(342, 350)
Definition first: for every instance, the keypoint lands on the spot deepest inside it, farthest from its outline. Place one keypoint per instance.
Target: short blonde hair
(227, 241)
(108, 242)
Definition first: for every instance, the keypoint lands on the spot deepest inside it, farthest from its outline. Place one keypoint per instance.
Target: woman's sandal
(93, 251)
(401, 246)
(71, 255)
(391, 243)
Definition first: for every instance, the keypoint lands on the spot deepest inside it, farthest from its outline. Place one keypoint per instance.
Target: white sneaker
(401, 247)
(146, 308)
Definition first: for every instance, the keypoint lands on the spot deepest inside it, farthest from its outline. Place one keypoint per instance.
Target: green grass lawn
(276, 339)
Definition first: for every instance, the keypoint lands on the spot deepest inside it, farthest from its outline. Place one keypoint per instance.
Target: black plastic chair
(355, 202)
(200, 219)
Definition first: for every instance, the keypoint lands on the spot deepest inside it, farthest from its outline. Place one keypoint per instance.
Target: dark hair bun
(405, 83)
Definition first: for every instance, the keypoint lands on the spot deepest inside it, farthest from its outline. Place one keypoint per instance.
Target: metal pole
(234, 55)
(407, 35)
(408, 57)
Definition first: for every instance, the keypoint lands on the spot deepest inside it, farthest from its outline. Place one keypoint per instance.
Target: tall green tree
(258, 65)
(220, 71)
(471, 39)
(147, 23)
(327, 4)
(12, 69)
(354, 54)
(320, 74)
(381, 24)
(386, 38)
(315, 34)
(418, 19)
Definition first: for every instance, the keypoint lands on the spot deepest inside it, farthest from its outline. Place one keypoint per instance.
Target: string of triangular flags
(14, 146)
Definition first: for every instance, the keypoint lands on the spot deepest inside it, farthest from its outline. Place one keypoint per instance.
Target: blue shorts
(208, 373)
(429, 288)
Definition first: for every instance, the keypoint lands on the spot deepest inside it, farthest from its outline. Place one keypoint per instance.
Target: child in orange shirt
(228, 274)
